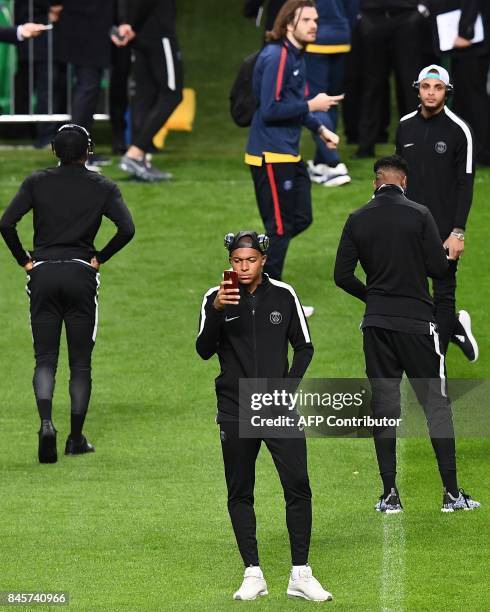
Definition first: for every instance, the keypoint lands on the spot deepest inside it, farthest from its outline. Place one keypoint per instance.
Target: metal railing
(7, 10)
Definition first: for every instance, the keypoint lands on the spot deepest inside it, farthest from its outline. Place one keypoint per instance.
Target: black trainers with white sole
(142, 170)
(462, 502)
(390, 504)
(464, 338)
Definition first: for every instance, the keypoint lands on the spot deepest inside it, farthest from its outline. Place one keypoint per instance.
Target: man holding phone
(248, 321)
(281, 180)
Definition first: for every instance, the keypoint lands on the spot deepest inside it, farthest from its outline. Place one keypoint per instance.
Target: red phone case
(233, 276)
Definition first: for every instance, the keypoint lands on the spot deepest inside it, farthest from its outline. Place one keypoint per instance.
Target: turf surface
(142, 524)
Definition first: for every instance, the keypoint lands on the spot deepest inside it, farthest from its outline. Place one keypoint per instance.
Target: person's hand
(31, 30)
(126, 35)
(455, 247)
(322, 102)
(461, 43)
(329, 138)
(28, 266)
(54, 12)
(94, 263)
(226, 296)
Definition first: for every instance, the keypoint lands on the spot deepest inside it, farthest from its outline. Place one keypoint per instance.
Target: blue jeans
(325, 73)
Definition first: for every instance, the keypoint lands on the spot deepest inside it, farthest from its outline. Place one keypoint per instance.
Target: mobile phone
(48, 26)
(231, 275)
(114, 31)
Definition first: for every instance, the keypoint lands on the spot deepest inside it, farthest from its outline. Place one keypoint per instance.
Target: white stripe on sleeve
(203, 308)
(469, 138)
(301, 314)
(409, 116)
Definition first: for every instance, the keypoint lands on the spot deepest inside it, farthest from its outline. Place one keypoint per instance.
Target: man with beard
(282, 184)
(438, 146)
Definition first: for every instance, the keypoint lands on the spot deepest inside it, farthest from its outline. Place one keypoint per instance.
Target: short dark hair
(70, 146)
(285, 16)
(391, 162)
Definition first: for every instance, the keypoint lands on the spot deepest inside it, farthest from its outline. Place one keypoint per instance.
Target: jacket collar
(260, 289)
(290, 47)
(389, 189)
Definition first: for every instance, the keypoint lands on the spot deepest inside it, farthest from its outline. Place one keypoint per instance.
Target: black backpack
(242, 101)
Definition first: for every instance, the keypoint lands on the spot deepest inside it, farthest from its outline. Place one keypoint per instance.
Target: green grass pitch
(142, 525)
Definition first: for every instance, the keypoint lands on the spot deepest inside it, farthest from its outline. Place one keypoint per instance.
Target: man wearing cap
(68, 203)
(438, 146)
(250, 328)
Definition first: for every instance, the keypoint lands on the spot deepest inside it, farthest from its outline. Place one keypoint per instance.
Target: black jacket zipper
(253, 304)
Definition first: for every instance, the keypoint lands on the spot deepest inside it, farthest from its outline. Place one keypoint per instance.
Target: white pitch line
(392, 589)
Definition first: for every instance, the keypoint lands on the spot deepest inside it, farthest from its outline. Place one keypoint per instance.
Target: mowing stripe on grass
(392, 588)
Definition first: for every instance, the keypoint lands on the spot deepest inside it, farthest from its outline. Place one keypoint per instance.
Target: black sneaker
(47, 443)
(462, 502)
(142, 170)
(390, 504)
(463, 337)
(78, 447)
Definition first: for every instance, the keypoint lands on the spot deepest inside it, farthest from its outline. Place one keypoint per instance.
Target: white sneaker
(253, 585)
(341, 169)
(302, 583)
(337, 181)
(463, 337)
(320, 173)
(308, 310)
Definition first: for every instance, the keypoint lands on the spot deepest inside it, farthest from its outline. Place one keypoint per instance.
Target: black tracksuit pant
(118, 96)
(387, 40)
(471, 100)
(444, 290)
(283, 193)
(63, 292)
(85, 95)
(289, 455)
(158, 77)
(388, 355)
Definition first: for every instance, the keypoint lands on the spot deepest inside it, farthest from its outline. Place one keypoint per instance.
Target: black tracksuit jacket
(151, 18)
(68, 203)
(398, 245)
(382, 5)
(441, 169)
(252, 339)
